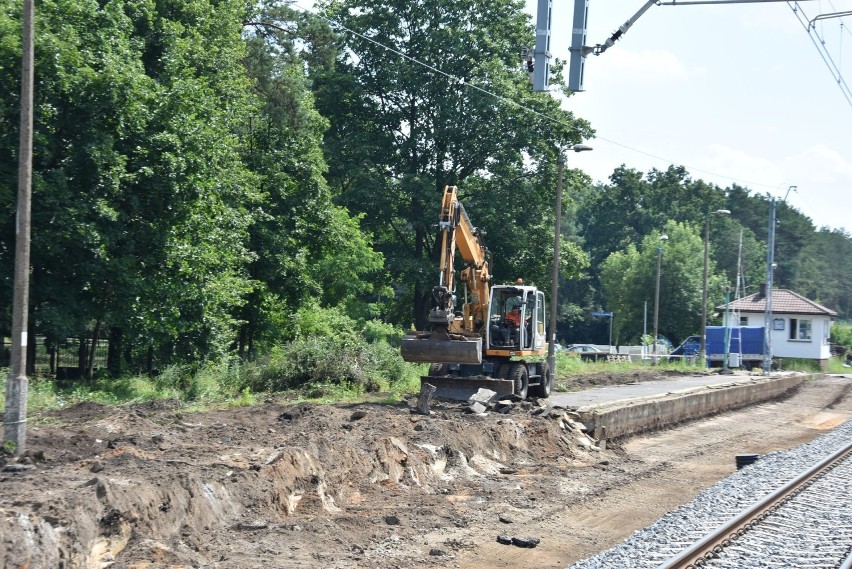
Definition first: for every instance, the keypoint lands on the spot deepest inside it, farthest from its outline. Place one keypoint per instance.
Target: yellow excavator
(497, 339)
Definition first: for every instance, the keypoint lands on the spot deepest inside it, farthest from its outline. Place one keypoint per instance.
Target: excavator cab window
(507, 315)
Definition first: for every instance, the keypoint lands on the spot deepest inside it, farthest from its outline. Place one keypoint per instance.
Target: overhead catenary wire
(819, 42)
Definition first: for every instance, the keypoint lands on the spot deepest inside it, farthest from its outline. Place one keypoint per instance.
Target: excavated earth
(365, 485)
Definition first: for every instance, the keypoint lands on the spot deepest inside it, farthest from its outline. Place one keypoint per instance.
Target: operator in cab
(512, 323)
(514, 316)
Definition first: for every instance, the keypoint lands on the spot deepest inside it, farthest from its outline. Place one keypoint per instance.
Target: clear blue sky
(734, 92)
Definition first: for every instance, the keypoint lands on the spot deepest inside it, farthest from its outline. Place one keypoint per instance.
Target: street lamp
(657, 294)
(727, 347)
(551, 350)
(703, 353)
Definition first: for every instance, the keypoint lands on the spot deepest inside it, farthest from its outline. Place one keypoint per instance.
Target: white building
(801, 328)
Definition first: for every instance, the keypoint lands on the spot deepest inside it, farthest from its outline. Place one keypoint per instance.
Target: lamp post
(726, 348)
(770, 270)
(663, 238)
(551, 350)
(703, 353)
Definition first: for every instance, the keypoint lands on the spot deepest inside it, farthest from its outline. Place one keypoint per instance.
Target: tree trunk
(91, 363)
(82, 353)
(114, 351)
(421, 297)
(251, 329)
(128, 357)
(31, 352)
(241, 341)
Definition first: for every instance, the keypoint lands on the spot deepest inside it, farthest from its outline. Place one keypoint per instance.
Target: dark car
(689, 347)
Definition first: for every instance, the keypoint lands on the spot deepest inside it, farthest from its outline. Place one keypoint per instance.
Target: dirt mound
(151, 486)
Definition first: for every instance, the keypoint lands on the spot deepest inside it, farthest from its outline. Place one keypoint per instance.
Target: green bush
(376, 330)
(841, 334)
(332, 351)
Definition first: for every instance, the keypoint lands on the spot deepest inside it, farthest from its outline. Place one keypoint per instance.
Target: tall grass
(836, 365)
(331, 359)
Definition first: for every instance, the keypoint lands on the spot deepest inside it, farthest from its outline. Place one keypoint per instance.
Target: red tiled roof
(783, 302)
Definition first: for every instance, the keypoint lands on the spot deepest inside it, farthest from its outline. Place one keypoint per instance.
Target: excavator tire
(519, 376)
(543, 389)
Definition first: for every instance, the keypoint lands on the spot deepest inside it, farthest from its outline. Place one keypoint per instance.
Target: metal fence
(65, 360)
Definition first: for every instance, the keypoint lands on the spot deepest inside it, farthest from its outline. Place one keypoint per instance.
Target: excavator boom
(454, 339)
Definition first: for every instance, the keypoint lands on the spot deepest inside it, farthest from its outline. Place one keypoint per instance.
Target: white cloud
(646, 66)
(744, 167)
(822, 165)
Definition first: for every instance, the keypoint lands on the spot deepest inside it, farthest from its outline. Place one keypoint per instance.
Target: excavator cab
(516, 318)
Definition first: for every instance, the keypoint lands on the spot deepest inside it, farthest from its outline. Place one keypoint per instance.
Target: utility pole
(15, 416)
(770, 269)
(557, 238)
(554, 287)
(657, 295)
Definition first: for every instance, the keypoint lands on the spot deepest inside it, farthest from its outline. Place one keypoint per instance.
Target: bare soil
(367, 485)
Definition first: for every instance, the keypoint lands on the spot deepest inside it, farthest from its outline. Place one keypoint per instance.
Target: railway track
(788, 510)
(787, 528)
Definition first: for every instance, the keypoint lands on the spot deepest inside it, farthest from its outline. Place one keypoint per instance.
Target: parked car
(587, 352)
(689, 347)
(581, 348)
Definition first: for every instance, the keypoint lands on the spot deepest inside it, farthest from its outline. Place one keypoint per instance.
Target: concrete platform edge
(621, 418)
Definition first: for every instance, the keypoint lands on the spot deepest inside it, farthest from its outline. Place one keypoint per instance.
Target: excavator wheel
(544, 388)
(520, 379)
(437, 369)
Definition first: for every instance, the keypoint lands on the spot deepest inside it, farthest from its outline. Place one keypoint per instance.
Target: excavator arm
(455, 339)
(457, 233)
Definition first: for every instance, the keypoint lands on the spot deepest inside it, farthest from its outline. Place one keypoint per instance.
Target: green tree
(141, 201)
(401, 131)
(628, 280)
(824, 273)
(307, 248)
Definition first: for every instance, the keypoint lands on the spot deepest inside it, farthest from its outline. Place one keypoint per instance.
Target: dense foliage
(220, 180)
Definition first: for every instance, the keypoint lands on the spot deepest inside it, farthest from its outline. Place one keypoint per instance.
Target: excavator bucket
(440, 348)
(461, 388)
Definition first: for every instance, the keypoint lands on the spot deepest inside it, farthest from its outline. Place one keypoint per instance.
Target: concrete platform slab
(619, 410)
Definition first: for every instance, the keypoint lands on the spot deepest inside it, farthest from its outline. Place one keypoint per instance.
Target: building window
(743, 320)
(800, 329)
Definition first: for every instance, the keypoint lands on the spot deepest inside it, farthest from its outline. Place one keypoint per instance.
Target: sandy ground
(366, 485)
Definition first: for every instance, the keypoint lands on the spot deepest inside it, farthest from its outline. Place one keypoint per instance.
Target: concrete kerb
(631, 416)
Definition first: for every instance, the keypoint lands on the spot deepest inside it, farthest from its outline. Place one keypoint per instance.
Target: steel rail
(715, 541)
(847, 564)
